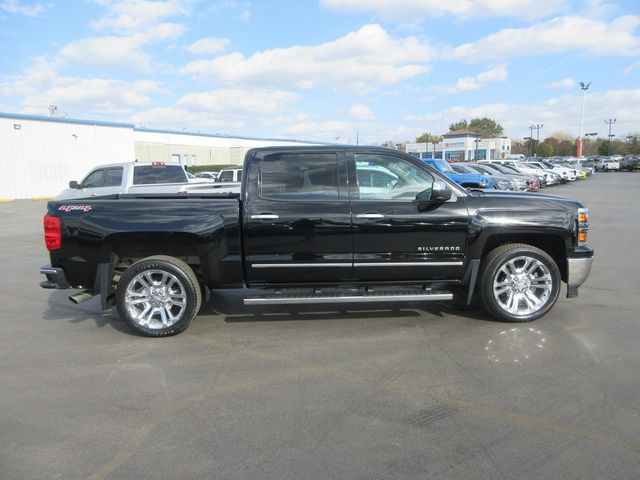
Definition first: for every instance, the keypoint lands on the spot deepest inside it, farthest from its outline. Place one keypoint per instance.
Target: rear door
(392, 239)
(297, 223)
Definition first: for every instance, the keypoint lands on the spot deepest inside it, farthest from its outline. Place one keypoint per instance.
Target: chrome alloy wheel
(522, 286)
(155, 299)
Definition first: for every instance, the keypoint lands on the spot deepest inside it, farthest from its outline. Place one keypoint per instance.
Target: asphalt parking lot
(391, 391)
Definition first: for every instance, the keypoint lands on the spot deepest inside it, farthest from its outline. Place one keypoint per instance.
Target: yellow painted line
(6, 200)
(41, 198)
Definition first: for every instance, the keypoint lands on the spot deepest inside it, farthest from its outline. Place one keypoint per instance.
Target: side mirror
(440, 192)
(74, 184)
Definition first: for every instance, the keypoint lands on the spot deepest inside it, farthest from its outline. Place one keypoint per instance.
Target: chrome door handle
(265, 216)
(370, 215)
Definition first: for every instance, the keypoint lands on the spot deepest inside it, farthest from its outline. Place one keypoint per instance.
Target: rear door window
(151, 174)
(299, 176)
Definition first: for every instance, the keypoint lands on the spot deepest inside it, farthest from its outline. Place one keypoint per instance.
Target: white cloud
(42, 86)
(554, 36)
(119, 51)
(359, 61)
(361, 112)
(179, 118)
(22, 8)
(331, 130)
(238, 102)
(556, 113)
(564, 83)
(495, 75)
(208, 46)
(130, 16)
(465, 9)
(245, 16)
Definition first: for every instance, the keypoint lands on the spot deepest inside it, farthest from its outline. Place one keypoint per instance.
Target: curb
(41, 198)
(6, 200)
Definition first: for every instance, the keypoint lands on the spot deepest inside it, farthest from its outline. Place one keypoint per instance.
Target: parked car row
(510, 174)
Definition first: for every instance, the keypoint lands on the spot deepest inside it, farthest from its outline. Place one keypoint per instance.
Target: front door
(296, 218)
(392, 239)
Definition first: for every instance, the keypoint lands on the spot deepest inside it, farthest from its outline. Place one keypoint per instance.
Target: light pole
(609, 122)
(434, 150)
(537, 129)
(584, 87)
(475, 158)
(530, 140)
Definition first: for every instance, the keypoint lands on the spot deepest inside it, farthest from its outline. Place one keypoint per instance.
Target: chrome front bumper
(578, 270)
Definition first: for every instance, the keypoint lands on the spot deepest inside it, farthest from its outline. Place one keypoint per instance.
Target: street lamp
(477, 140)
(584, 87)
(609, 122)
(434, 149)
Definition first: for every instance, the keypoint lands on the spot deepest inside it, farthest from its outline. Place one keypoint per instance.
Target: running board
(351, 297)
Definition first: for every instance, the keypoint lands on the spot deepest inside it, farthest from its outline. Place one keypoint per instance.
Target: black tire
(505, 286)
(158, 296)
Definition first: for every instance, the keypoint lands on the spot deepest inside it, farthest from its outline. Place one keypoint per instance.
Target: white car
(230, 175)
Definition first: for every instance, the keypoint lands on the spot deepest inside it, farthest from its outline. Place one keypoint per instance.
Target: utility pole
(609, 122)
(537, 129)
(584, 87)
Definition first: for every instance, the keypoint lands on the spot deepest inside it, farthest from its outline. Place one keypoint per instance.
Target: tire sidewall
(491, 270)
(186, 283)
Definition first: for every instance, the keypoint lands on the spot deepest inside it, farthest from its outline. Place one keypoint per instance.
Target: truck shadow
(231, 306)
(60, 308)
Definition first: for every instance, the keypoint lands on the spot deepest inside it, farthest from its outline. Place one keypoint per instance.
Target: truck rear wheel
(158, 296)
(519, 282)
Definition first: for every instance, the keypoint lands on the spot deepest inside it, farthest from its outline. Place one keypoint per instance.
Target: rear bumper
(56, 278)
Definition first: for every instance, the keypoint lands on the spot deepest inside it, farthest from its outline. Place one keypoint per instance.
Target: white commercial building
(40, 155)
(463, 145)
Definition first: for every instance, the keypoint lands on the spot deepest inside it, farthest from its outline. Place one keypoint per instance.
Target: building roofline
(100, 123)
(43, 118)
(221, 135)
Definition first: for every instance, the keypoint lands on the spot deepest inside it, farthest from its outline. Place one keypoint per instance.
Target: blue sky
(325, 69)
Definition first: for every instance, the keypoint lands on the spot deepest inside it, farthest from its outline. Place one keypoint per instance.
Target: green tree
(428, 138)
(485, 127)
(461, 125)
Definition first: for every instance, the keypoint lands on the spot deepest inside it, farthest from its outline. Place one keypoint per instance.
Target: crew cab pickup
(319, 225)
(138, 177)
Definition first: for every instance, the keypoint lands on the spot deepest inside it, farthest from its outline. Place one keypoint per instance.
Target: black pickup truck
(318, 225)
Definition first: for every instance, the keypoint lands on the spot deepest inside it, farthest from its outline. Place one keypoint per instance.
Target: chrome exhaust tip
(82, 296)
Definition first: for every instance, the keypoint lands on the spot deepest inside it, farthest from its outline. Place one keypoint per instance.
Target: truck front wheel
(519, 282)
(158, 296)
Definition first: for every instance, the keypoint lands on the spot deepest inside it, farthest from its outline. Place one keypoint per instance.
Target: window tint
(147, 174)
(383, 177)
(299, 176)
(113, 178)
(94, 179)
(226, 176)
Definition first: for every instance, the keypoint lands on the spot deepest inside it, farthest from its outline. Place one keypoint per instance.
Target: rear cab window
(152, 174)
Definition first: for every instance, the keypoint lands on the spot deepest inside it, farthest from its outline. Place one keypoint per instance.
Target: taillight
(52, 232)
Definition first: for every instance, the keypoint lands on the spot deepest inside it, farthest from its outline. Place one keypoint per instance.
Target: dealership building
(39, 155)
(463, 145)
